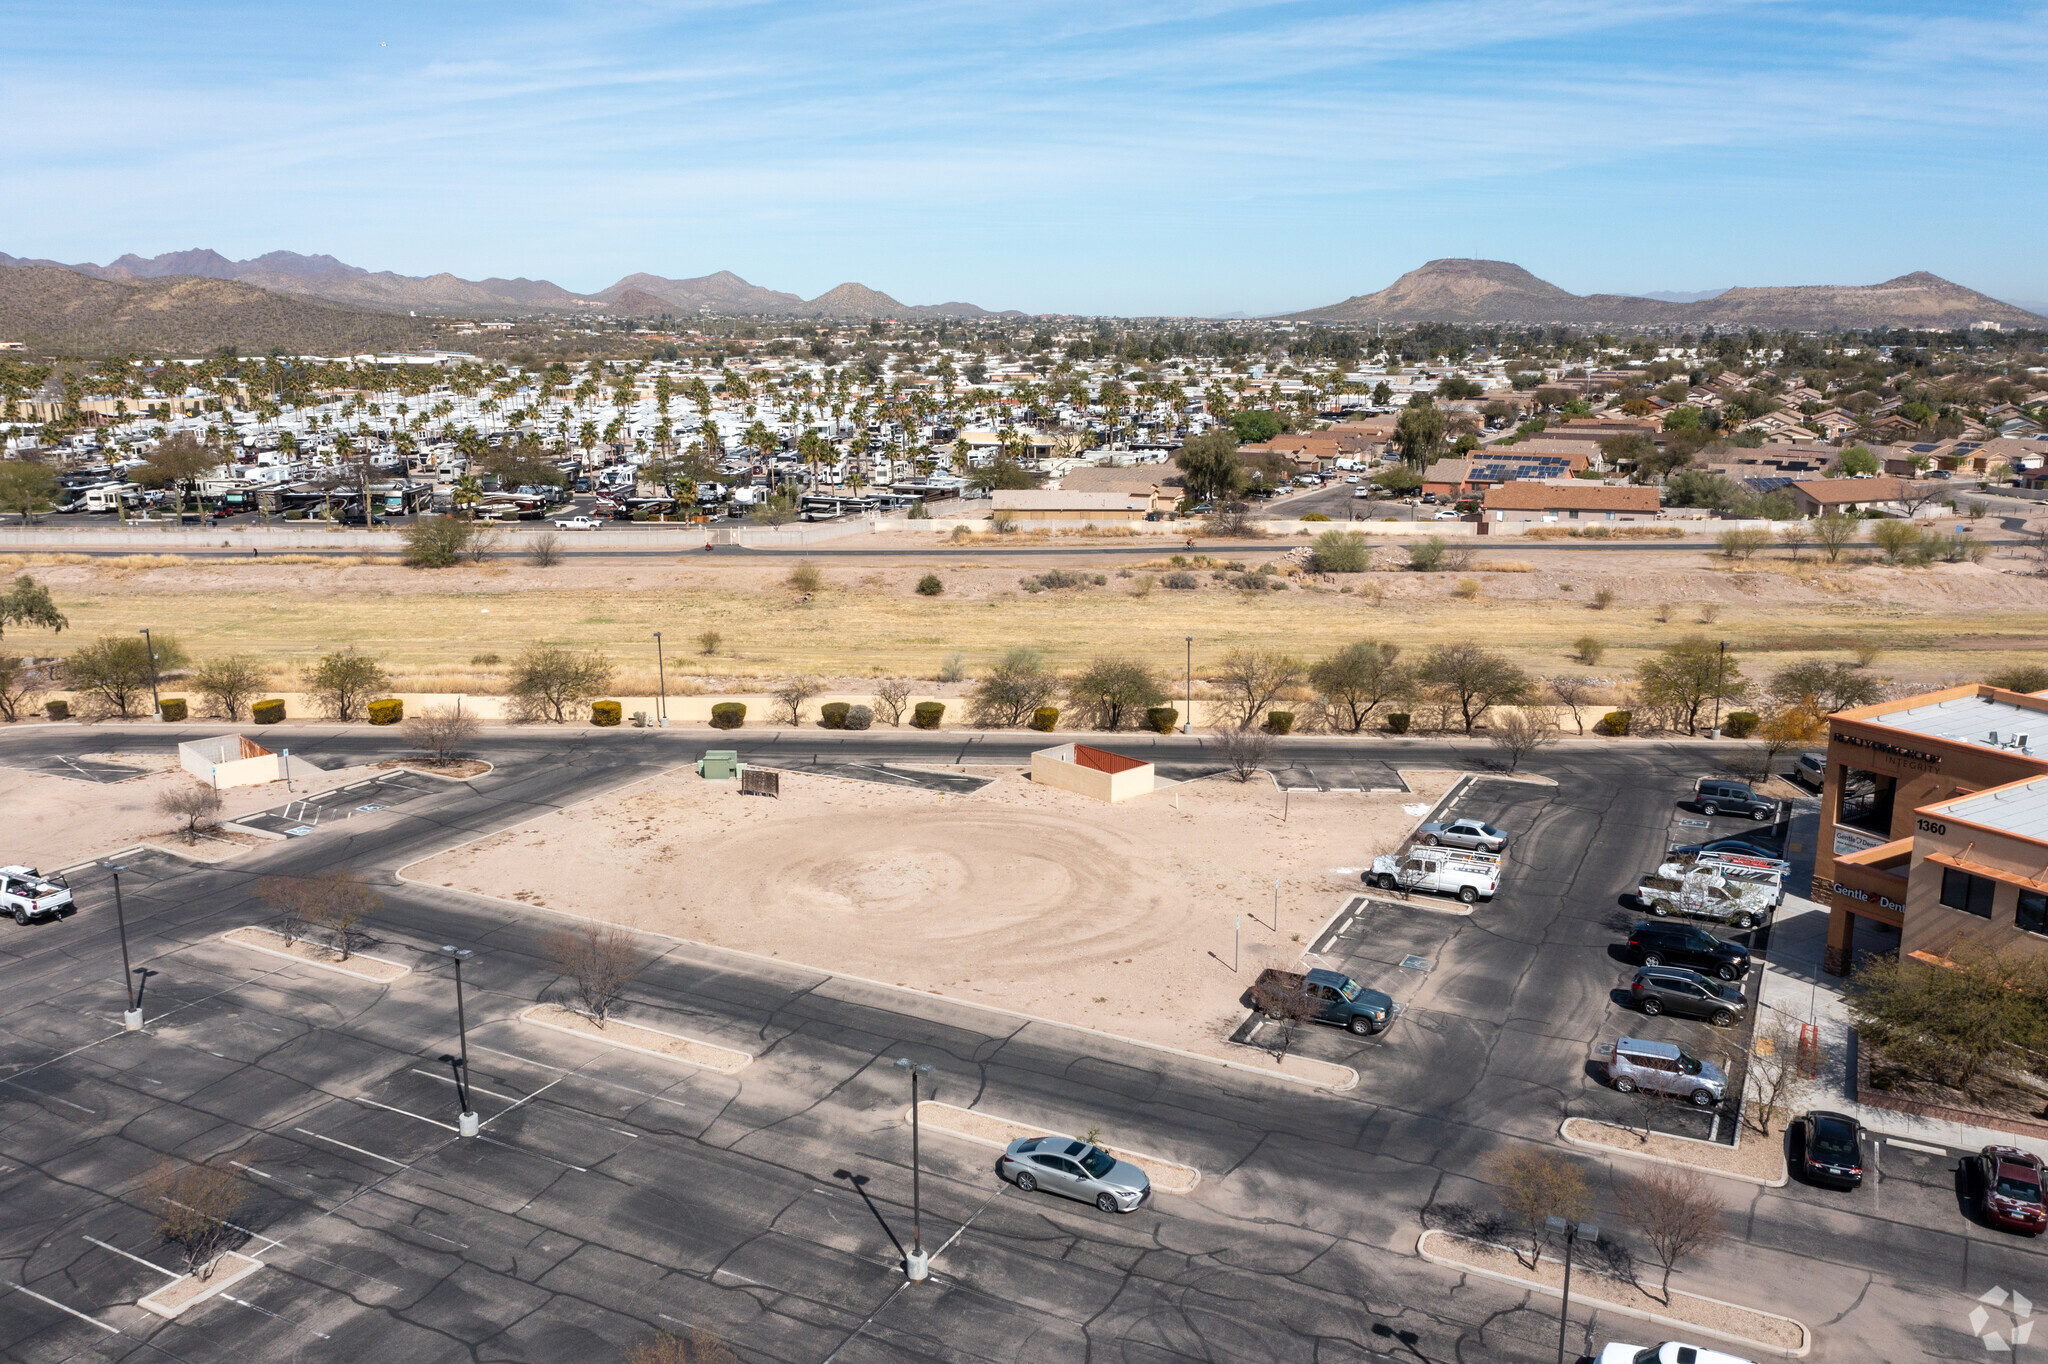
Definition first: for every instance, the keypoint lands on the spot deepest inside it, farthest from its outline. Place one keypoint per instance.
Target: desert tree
(544, 550)
(193, 807)
(546, 680)
(115, 670)
(22, 680)
(1677, 1213)
(708, 642)
(1947, 1022)
(1518, 733)
(194, 1202)
(442, 731)
(1573, 691)
(1743, 542)
(598, 961)
(1773, 1071)
(1006, 695)
(1472, 679)
(342, 682)
(335, 902)
(1111, 689)
(1824, 687)
(26, 487)
(892, 699)
(1835, 531)
(697, 1347)
(1356, 681)
(1685, 678)
(1288, 1004)
(1535, 1185)
(1251, 680)
(228, 681)
(791, 694)
(437, 541)
(28, 602)
(1244, 751)
(805, 577)
(483, 538)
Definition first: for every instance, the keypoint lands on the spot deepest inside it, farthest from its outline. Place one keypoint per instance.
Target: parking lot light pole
(1720, 681)
(149, 647)
(131, 1018)
(1188, 720)
(1572, 1232)
(467, 1120)
(916, 1264)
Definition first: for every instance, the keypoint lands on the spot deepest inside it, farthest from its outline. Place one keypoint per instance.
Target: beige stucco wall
(1048, 768)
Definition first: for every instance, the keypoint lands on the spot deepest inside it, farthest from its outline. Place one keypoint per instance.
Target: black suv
(1714, 797)
(1688, 994)
(1655, 944)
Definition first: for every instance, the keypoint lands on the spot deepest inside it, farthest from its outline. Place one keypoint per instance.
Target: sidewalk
(1793, 984)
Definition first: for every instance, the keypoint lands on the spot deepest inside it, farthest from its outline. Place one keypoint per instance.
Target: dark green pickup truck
(1341, 1000)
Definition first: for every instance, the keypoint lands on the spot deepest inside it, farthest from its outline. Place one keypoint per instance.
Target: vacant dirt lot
(1113, 917)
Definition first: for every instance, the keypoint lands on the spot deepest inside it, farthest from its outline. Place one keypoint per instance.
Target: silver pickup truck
(1704, 893)
(27, 894)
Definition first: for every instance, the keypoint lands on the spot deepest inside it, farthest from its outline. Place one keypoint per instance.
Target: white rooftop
(2020, 809)
(1974, 720)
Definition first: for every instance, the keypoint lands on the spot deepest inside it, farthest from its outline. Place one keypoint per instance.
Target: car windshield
(1688, 1064)
(1098, 1162)
(1349, 989)
(1833, 1140)
(2018, 1188)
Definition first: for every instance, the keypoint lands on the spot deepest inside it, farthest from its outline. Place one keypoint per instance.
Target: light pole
(1720, 681)
(1572, 1232)
(149, 647)
(131, 1018)
(1188, 720)
(916, 1264)
(660, 671)
(467, 1119)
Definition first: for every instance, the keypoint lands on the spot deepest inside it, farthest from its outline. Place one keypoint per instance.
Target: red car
(2010, 1180)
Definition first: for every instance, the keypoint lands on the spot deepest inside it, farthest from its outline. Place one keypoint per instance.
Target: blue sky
(1196, 157)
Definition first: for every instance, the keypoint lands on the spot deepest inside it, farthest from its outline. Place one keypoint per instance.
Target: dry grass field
(453, 629)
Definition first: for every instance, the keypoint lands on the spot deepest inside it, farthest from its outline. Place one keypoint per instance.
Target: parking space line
(537, 1155)
(474, 1089)
(167, 1273)
(275, 1317)
(446, 1127)
(62, 1308)
(1916, 1146)
(516, 1102)
(357, 1149)
(581, 1075)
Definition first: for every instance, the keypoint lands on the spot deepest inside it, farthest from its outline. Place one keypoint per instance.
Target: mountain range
(638, 295)
(1481, 292)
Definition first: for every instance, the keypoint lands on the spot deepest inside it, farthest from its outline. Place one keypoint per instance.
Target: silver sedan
(1464, 833)
(1076, 1169)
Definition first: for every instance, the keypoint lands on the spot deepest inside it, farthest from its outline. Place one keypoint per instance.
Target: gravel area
(1758, 1159)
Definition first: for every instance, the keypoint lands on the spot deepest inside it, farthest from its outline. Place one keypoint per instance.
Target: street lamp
(149, 647)
(1188, 718)
(131, 1018)
(916, 1264)
(1572, 1232)
(467, 1118)
(660, 671)
(1720, 680)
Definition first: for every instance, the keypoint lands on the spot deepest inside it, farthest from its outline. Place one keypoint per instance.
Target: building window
(1866, 801)
(2032, 913)
(1970, 894)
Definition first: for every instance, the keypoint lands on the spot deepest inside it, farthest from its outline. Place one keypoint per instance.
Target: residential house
(1042, 505)
(1570, 501)
(1820, 496)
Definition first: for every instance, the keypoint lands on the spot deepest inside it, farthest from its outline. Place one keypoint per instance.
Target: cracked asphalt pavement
(612, 1193)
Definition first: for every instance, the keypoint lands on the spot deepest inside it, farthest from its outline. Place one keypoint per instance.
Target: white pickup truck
(579, 523)
(1762, 871)
(27, 894)
(1705, 893)
(1448, 871)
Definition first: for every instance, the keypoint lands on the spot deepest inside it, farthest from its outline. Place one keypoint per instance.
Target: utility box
(719, 764)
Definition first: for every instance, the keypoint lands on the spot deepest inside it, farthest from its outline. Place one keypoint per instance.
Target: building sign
(1849, 841)
(1851, 893)
(1914, 757)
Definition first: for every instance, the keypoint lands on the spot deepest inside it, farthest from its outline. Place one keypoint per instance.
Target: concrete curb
(214, 1287)
(527, 1015)
(1780, 1182)
(1531, 1286)
(335, 967)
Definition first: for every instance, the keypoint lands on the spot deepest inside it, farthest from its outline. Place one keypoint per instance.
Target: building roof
(1832, 491)
(1041, 499)
(1966, 715)
(2019, 808)
(1569, 495)
(1139, 479)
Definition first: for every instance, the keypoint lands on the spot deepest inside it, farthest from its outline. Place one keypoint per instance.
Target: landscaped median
(189, 1290)
(636, 1037)
(1755, 1162)
(1687, 1312)
(1167, 1176)
(270, 941)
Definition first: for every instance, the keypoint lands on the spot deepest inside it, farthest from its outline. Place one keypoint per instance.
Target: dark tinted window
(1971, 894)
(1833, 1140)
(2032, 913)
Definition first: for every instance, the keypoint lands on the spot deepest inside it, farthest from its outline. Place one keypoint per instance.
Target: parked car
(578, 523)
(1361, 491)
(1670, 1352)
(1661, 1068)
(1076, 1169)
(1713, 796)
(1706, 894)
(1343, 1000)
(1445, 516)
(2009, 1189)
(1688, 945)
(27, 894)
(1463, 833)
(1830, 1149)
(1741, 847)
(1468, 875)
(1686, 994)
(1811, 770)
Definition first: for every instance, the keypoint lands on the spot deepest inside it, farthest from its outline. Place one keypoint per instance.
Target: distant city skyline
(1145, 159)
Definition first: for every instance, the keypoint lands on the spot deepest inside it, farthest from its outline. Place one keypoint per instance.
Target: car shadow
(1618, 952)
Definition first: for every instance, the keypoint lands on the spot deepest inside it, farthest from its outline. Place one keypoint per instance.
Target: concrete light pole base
(468, 1125)
(917, 1266)
(131, 1019)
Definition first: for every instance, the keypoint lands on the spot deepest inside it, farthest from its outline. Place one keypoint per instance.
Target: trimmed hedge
(1045, 718)
(388, 711)
(1614, 723)
(728, 715)
(859, 717)
(1279, 722)
(1742, 723)
(1398, 722)
(267, 712)
(832, 715)
(57, 710)
(1162, 719)
(172, 708)
(605, 713)
(927, 714)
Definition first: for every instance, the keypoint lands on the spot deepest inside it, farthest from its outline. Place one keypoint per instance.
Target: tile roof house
(1819, 496)
(1569, 500)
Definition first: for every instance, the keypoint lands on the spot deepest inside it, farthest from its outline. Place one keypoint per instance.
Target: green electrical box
(719, 764)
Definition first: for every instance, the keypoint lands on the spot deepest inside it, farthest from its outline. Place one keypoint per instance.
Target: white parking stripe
(62, 1308)
(357, 1149)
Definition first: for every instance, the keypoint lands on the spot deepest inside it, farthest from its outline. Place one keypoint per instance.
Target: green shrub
(1314, 516)
(859, 717)
(1180, 582)
(1742, 723)
(930, 586)
(928, 714)
(1614, 723)
(388, 711)
(605, 714)
(1279, 722)
(1045, 718)
(832, 715)
(1340, 551)
(1398, 722)
(728, 715)
(1162, 719)
(173, 709)
(267, 712)
(57, 710)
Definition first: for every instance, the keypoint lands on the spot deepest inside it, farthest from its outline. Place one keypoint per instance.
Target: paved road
(613, 1196)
